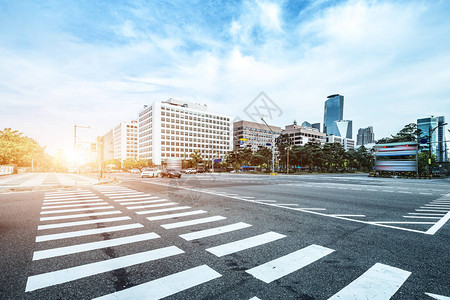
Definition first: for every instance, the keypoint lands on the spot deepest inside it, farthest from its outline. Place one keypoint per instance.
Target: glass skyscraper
(334, 111)
(438, 140)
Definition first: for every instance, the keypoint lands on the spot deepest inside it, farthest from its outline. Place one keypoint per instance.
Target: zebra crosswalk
(72, 218)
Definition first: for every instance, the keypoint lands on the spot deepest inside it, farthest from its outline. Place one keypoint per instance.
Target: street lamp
(273, 146)
(430, 132)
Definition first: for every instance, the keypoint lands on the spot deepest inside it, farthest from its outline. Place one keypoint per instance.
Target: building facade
(108, 145)
(438, 140)
(253, 135)
(300, 135)
(344, 128)
(174, 129)
(125, 137)
(314, 125)
(334, 111)
(345, 142)
(365, 136)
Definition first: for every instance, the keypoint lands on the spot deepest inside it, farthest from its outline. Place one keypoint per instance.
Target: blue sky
(98, 62)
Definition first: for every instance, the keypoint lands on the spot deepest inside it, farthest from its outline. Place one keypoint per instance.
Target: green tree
(196, 158)
(17, 149)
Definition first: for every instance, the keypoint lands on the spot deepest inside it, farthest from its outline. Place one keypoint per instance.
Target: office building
(334, 111)
(365, 136)
(344, 128)
(108, 145)
(253, 135)
(314, 125)
(300, 135)
(126, 140)
(174, 129)
(438, 140)
(345, 142)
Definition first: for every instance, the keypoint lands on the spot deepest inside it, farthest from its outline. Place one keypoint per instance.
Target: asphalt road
(229, 236)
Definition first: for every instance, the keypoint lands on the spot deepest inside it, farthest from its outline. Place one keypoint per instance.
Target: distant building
(253, 135)
(174, 129)
(345, 128)
(365, 136)
(345, 142)
(314, 125)
(108, 145)
(126, 140)
(334, 111)
(438, 140)
(300, 135)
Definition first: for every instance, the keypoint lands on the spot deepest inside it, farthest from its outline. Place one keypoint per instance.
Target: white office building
(174, 129)
(345, 142)
(126, 140)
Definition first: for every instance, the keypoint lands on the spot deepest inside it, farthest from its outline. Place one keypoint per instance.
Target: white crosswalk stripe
(143, 201)
(379, 282)
(245, 244)
(66, 275)
(136, 199)
(75, 205)
(65, 235)
(167, 286)
(103, 213)
(155, 211)
(193, 222)
(176, 215)
(151, 205)
(289, 263)
(70, 202)
(214, 231)
(80, 223)
(47, 212)
(43, 254)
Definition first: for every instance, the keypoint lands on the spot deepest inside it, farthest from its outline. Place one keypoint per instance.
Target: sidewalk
(40, 181)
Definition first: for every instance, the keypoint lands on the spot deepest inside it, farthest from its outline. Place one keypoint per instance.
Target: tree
(18, 149)
(196, 158)
(409, 133)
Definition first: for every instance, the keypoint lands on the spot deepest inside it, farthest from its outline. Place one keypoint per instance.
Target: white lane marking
(80, 215)
(388, 191)
(170, 216)
(426, 194)
(371, 190)
(43, 254)
(439, 204)
(379, 282)
(289, 263)
(141, 202)
(47, 212)
(76, 205)
(438, 297)
(433, 210)
(166, 286)
(130, 196)
(65, 235)
(388, 222)
(438, 224)
(355, 189)
(355, 216)
(69, 202)
(308, 208)
(244, 244)
(193, 222)
(404, 192)
(79, 223)
(342, 188)
(69, 193)
(151, 205)
(437, 207)
(287, 204)
(421, 217)
(161, 210)
(254, 298)
(65, 275)
(136, 199)
(245, 197)
(71, 199)
(214, 231)
(427, 214)
(112, 195)
(265, 201)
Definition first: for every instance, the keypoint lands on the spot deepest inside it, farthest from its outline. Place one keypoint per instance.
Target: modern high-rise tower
(334, 111)
(365, 136)
(438, 140)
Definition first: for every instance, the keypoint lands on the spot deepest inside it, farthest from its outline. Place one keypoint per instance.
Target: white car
(151, 172)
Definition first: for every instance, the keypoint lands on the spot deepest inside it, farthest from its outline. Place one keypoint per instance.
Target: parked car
(135, 171)
(191, 171)
(171, 173)
(150, 172)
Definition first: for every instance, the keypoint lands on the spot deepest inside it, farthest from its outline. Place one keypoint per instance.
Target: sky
(97, 63)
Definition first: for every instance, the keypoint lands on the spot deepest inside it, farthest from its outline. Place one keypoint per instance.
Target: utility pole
(273, 146)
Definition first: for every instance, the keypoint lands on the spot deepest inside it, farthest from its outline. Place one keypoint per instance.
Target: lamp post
(273, 145)
(430, 132)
